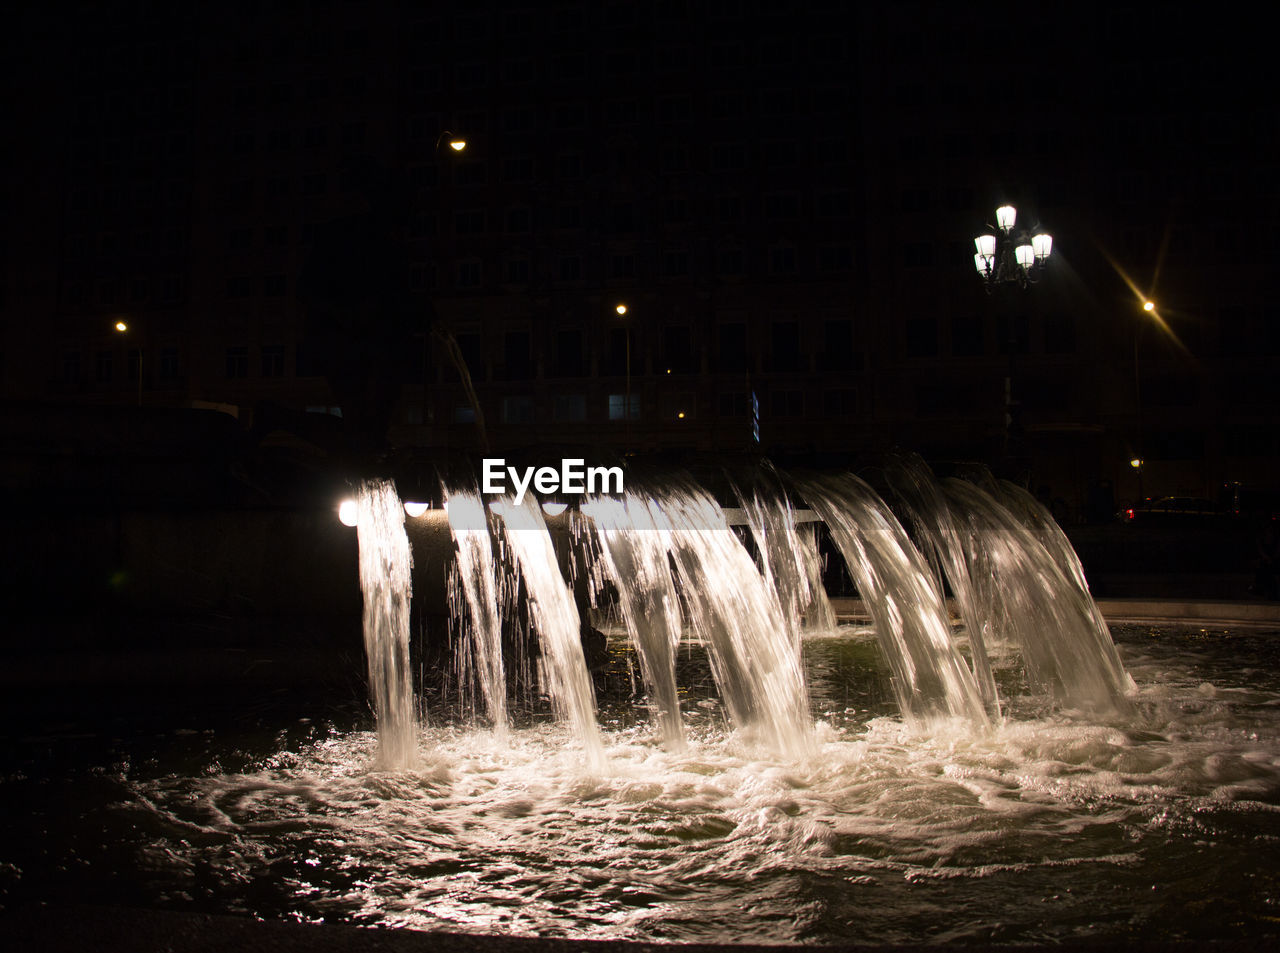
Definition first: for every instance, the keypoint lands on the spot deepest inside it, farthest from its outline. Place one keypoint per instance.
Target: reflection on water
(1043, 827)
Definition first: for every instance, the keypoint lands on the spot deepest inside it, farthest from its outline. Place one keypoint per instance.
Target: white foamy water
(386, 565)
(1038, 828)
(480, 651)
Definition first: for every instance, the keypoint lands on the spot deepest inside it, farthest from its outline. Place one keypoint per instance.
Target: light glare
(415, 509)
(348, 512)
(121, 326)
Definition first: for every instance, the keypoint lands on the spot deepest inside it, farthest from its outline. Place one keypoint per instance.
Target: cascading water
(634, 553)
(1044, 827)
(754, 649)
(930, 677)
(916, 489)
(480, 655)
(1046, 529)
(556, 620)
(1052, 621)
(386, 564)
(788, 554)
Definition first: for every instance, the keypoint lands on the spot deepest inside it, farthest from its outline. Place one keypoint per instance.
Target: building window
(786, 403)
(782, 260)
(570, 216)
(102, 367)
(623, 266)
(966, 336)
(518, 220)
(569, 408)
(922, 337)
(730, 261)
(518, 271)
(918, 255)
(835, 258)
(839, 403)
(677, 350)
(71, 367)
(570, 268)
(517, 364)
(273, 360)
(239, 286)
(469, 222)
(1015, 334)
(517, 410)
(675, 264)
(619, 406)
(1060, 333)
(784, 354)
(568, 357)
(734, 404)
(273, 286)
(517, 169)
(469, 274)
(168, 363)
(732, 347)
(237, 363)
(837, 345)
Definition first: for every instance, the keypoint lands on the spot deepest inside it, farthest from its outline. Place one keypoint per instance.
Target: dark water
(1047, 827)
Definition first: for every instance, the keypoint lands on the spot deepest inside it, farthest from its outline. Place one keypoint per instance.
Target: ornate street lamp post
(1005, 257)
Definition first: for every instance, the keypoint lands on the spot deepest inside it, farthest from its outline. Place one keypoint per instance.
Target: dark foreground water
(1163, 824)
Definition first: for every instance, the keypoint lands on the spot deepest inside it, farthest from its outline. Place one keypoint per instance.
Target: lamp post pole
(1003, 258)
(122, 327)
(1139, 461)
(456, 144)
(626, 410)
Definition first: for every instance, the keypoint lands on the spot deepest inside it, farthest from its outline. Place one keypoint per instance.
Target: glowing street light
(122, 327)
(456, 143)
(621, 308)
(1006, 257)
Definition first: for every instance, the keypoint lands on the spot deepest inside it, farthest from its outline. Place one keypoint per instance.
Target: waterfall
(386, 580)
(788, 554)
(918, 491)
(555, 618)
(930, 678)
(480, 651)
(1052, 619)
(754, 649)
(634, 552)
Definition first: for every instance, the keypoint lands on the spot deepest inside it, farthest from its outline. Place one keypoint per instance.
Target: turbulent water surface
(1042, 826)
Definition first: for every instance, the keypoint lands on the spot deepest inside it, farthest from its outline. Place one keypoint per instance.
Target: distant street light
(626, 409)
(122, 327)
(1009, 258)
(1148, 307)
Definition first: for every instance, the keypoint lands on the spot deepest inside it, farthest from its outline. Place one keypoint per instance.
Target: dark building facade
(784, 200)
